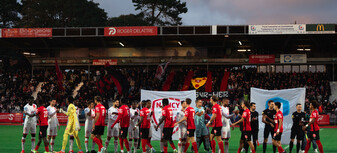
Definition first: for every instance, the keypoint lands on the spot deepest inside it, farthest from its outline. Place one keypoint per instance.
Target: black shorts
(43, 131)
(246, 135)
(144, 133)
(123, 132)
(255, 135)
(216, 131)
(267, 131)
(313, 135)
(277, 137)
(167, 133)
(99, 130)
(190, 132)
(298, 133)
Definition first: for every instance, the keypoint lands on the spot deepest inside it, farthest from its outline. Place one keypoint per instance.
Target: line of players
(123, 121)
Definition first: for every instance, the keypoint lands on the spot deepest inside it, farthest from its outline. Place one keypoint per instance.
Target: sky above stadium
(224, 12)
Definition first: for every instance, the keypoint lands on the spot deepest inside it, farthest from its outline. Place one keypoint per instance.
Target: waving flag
(59, 76)
(161, 70)
(198, 82)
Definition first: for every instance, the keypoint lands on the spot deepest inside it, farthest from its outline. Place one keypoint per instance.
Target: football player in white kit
(226, 122)
(113, 132)
(53, 123)
(182, 127)
(134, 133)
(30, 123)
(161, 127)
(89, 120)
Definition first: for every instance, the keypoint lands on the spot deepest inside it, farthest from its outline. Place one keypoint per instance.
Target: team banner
(263, 59)
(198, 82)
(131, 31)
(288, 98)
(320, 28)
(207, 95)
(175, 97)
(277, 29)
(104, 61)
(27, 32)
(293, 58)
(11, 117)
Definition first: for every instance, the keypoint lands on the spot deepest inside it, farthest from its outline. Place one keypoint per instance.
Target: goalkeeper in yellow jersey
(72, 127)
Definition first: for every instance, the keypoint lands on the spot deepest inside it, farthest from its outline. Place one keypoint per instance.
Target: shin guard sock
(96, 140)
(121, 143)
(115, 145)
(298, 147)
(173, 146)
(291, 145)
(165, 149)
(221, 147)
(86, 142)
(320, 146)
(213, 146)
(52, 144)
(126, 142)
(186, 147)
(264, 147)
(307, 147)
(23, 140)
(280, 149)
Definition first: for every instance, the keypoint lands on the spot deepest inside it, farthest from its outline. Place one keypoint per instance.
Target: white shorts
(87, 130)
(29, 127)
(225, 133)
(133, 134)
(113, 132)
(182, 133)
(52, 131)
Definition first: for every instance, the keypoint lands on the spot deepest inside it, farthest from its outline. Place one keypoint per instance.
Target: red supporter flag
(59, 76)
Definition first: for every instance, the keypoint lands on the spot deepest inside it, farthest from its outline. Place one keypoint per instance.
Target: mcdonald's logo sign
(320, 28)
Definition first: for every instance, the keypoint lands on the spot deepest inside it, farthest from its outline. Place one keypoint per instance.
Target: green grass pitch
(10, 141)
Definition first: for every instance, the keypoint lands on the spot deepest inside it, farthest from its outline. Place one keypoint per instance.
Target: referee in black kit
(268, 119)
(296, 130)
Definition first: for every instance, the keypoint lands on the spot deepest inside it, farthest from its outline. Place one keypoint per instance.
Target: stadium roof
(234, 37)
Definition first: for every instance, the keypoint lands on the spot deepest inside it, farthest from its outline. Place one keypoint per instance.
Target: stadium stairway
(37, 90)
(78, 87)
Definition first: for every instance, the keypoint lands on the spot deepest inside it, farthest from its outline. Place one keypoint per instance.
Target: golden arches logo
(320, 27)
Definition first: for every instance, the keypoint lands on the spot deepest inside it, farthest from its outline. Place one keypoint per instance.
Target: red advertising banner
(131, 31)
(27, 32)
(263, 59)
(323, 120)
(63, 118)
(11, 117)
(104, 61)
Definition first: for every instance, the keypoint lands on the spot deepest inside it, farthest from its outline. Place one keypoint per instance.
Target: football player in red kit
(42, 113)
(217, 125)
(167, 116)
(124, 121)
(314, 128)
(246, 134)
(189, 117)
(278, 129)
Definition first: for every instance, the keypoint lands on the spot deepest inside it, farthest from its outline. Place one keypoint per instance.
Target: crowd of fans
(15, 86)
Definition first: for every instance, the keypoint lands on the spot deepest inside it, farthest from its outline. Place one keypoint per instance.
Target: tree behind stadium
(61, 13)
(161, 12)
(9, 13)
